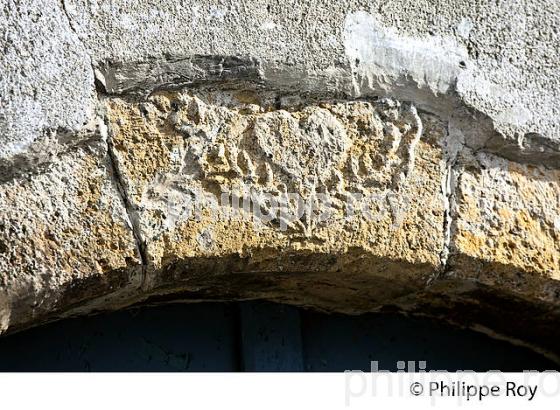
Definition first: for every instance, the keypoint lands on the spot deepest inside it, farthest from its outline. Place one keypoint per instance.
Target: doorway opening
(256, 336)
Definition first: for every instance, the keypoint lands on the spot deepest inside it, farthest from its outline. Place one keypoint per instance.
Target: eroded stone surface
(64, 237)
(507, 225)
(238, 192)
(180, 155)
(486, 71)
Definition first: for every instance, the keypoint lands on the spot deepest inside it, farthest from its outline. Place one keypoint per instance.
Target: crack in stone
(448, 187)
(65, 11)
(449, 216)
(71, 25)
(117, 177)
(129, 208)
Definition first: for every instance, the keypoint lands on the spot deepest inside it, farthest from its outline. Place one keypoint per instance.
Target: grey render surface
(495, 62)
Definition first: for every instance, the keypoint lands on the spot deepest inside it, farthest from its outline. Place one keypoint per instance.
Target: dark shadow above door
(255, 336)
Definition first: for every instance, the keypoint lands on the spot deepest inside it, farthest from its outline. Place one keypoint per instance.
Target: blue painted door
(253, 336)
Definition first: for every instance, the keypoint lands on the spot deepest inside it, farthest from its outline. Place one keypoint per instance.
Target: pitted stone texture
(64, 237)
(46, 83)
(180, 151)
(507, 227)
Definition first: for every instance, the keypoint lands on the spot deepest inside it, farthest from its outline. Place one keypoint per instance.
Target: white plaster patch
(126, 21)
(381, 54)
(269, 25)
(217, 13)
(464, 27)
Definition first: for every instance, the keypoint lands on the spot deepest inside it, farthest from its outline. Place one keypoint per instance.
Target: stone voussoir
(506, 228)
(65, 239)
(187, 157)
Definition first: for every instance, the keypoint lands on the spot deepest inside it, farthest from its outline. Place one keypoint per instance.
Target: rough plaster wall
(498, 57)
(46, 85)
(96, 87)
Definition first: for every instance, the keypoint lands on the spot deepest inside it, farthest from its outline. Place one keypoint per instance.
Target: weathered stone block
(246, 182)
(506, 230)
(64, 237)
